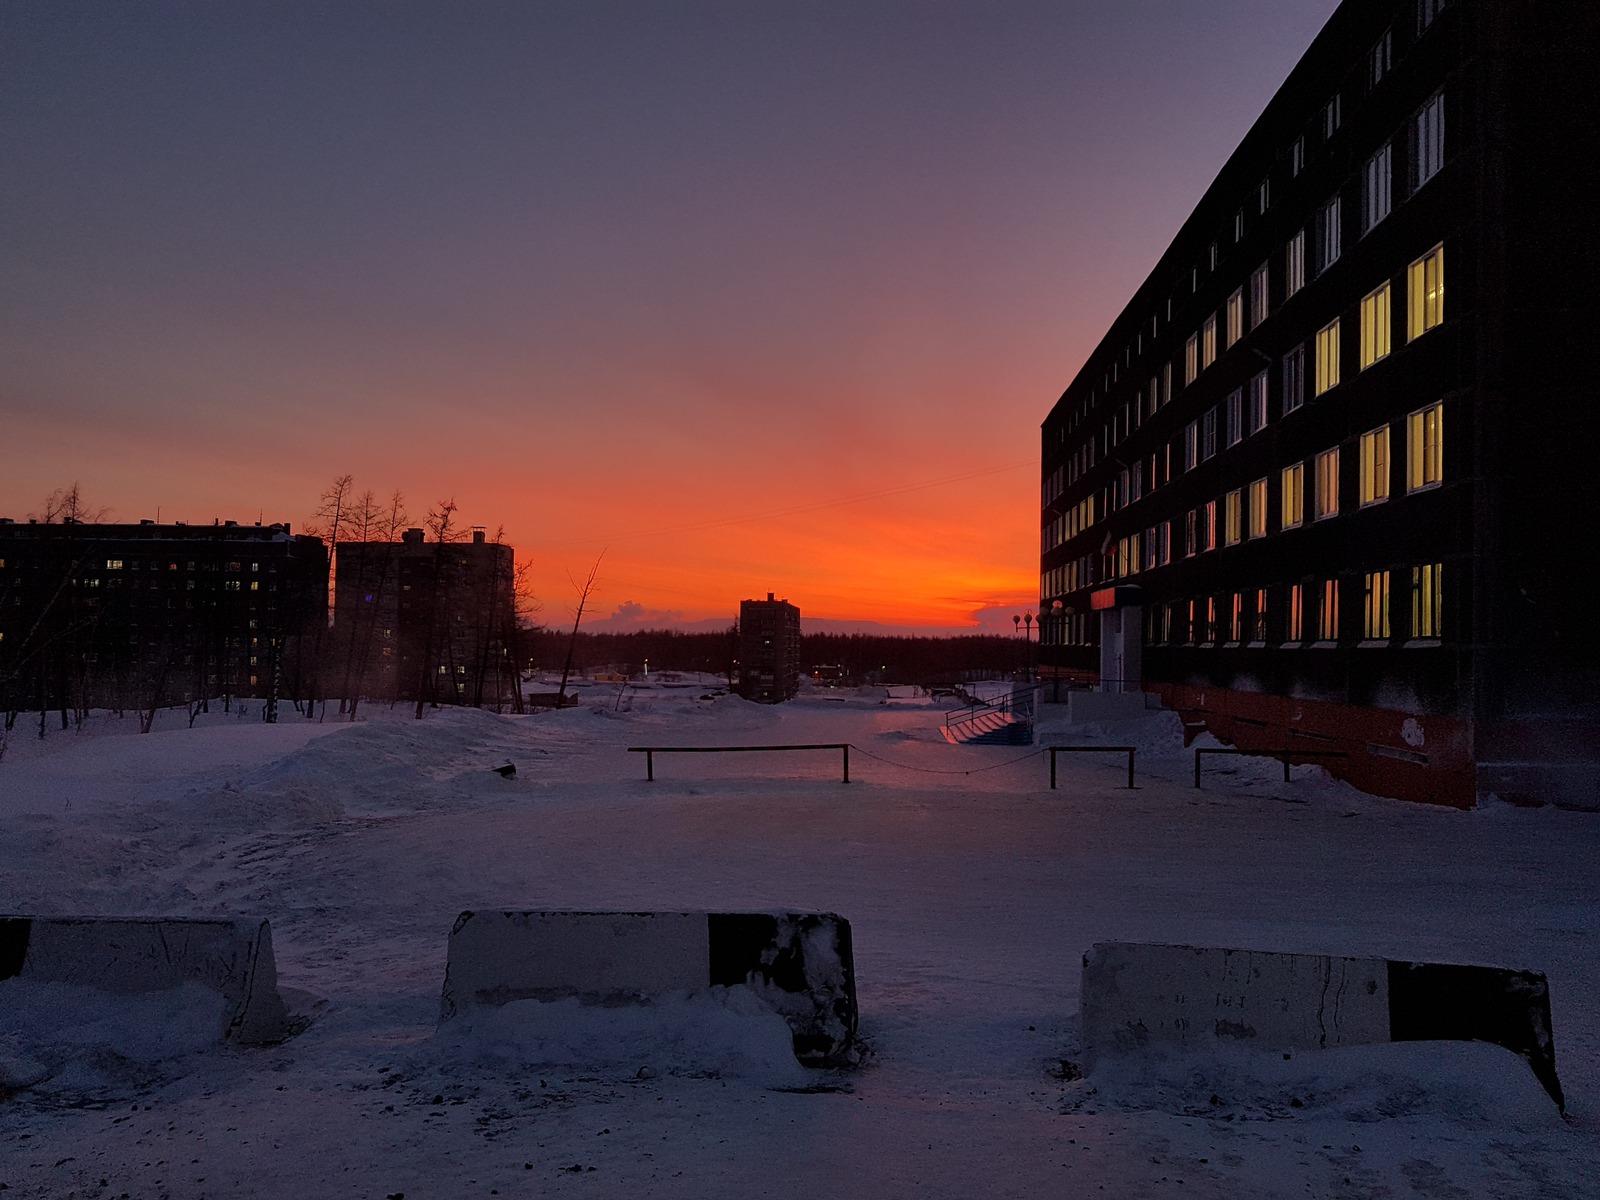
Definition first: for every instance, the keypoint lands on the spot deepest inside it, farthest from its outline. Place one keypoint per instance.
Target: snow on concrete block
(129, 956)
(801, 964)
(1137, 995)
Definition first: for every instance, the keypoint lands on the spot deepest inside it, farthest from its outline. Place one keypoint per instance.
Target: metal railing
(1018, 702)
(1285, 755)
(650, 753)
(1130, 751)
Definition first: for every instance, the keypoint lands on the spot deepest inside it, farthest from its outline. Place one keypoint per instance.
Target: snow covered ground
(973, 890)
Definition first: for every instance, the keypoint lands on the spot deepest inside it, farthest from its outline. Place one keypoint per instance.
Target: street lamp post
(1057, 611)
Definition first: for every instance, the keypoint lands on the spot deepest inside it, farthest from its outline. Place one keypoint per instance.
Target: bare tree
(329, 522)
(584, 589)
(384, 526)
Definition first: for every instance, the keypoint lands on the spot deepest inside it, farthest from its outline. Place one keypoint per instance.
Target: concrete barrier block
(134, 955)
(801, 964)
(1136, 995)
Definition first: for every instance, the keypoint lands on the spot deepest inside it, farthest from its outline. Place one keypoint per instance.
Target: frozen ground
(972, 888)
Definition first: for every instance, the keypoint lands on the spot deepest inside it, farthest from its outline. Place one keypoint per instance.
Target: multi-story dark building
(1317, 499)
(146, 615)
(769, 650)
(427, 621)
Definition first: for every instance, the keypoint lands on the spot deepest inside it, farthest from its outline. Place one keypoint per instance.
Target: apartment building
(1326, 481)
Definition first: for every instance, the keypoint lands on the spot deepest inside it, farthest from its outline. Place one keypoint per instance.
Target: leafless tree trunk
(577, 618)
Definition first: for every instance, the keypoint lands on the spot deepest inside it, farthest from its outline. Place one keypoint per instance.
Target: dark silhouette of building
(1317, 499)
(426, 621)
(769, 650)
(146, 615)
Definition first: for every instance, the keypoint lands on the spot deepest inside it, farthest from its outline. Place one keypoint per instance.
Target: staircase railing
(1018, 703)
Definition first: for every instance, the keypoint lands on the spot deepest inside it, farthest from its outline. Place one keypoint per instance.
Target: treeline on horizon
(860, 656)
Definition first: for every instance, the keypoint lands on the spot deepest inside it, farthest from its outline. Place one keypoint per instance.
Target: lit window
(1425, 293)
(1427, 141)
(112, 564)
(1258, 509)
(1191, 445)
(1326, 496)
(1294, 264)
(1235, 311)
(1191, 358)
(1376, 188)
(1233, 518)
(1191, 532)
(1256, 411)
(1427, 600)
(1297, 156)
(1294, 496)
(1294, 379)
(1375, 614)
(1327, 367)
(1236, 618)
(1208, 342)
(1258, 296)
(1208, 530)
(1258, 617)
(1375, 466)
(1330, 118)
(1425, 448)
(1211, 618)
(1330, 234)
(1380, 58)
(1375, 325)
(1293, 614)
(1235, 423)
(1208, 434)
(1328, 611)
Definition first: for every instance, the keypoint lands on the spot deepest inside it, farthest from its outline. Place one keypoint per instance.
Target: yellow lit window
(1258, 509)
(1327, 365)
(1425, 293)
(1375, 617)
(113, 564)
(1191, 358)
(1375, 466)
(1328, 612)
(1294, 495)
(1427, 600)
(1208, 342)
(1425, 448)
(1233, 518)
(1327, 484)
(1235, 316)
(1374, 326)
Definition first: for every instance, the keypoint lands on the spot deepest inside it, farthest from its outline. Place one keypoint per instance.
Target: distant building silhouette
(1312, 497)
(420, 620)
(769, 650)
(145, 615)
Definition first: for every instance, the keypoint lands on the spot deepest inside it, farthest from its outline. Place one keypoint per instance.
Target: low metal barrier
(1130, 751)
(1285, 755)
(650, 753)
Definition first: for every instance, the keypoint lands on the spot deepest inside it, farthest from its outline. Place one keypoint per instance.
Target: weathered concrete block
(800, 963)
(1137, 995)
(134, 955)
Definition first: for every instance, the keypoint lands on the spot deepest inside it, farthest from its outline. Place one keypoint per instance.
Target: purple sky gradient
(752, 296)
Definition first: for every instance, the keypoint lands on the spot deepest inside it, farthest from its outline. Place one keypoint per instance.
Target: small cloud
(632, 615)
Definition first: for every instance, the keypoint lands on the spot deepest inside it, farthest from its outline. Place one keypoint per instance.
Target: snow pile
(720, 1032)
(68, 1041)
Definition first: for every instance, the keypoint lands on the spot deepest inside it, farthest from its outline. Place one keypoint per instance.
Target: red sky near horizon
(748, 297)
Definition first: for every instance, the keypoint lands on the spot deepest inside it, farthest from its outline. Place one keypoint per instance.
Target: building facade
(1325, 482)
(769, 650)
(425, 621)
(147, 615)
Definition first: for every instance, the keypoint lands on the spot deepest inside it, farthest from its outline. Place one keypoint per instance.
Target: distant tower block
(769, 650)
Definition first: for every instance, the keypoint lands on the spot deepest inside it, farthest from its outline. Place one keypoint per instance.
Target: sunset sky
(749, 296)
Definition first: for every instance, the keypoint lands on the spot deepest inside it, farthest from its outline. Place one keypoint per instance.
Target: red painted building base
(1387, 753)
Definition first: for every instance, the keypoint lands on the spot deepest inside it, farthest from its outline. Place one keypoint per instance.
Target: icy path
(972, 897)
